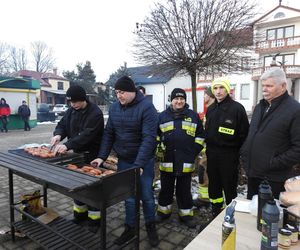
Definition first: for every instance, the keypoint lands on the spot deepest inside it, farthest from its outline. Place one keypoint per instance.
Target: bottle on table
(264, 194)
(270, 219)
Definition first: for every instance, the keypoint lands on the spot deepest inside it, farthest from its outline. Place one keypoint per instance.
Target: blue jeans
(147, 194)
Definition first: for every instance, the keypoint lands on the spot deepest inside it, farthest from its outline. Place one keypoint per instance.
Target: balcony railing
(283, 43)
(292, 71)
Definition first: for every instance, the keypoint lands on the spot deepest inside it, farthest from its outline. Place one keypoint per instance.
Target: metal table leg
(11, 203)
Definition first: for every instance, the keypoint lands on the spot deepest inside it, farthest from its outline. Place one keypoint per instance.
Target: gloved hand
(160, 152)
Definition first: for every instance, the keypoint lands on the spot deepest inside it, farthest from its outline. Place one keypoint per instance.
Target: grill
(94, 191)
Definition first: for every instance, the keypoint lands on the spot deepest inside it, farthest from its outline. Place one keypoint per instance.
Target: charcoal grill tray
(67, 158)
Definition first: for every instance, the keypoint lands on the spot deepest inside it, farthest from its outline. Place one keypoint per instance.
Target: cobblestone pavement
(173, 235)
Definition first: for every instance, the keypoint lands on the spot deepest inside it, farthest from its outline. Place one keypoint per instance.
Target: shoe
(127, 235)
(94, 225)
(160, 218)
(188, 221)
(200, 203)
(152, 234)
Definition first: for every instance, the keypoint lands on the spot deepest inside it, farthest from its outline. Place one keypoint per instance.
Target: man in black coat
(83, 126)
(272, 147)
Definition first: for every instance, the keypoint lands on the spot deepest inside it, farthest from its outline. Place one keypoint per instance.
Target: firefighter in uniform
(181, 139)
(226, 128)
(83, 125)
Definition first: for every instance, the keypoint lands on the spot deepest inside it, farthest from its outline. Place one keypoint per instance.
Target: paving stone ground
(172, 234)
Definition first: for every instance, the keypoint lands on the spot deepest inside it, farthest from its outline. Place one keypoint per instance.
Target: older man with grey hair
(272, 147)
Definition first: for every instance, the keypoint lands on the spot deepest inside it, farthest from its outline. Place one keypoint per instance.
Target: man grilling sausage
(82, 125)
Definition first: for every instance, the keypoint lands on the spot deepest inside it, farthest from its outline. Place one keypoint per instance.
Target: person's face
(271, 90)
(78, 104)
(2, 101)
(220, 92)
(125, 97)
(207, 98)
(178, 103)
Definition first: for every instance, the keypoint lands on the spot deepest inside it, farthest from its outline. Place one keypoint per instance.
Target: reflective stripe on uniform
(227, 131)
(218, 200)
(199, 140)
(203, 192)
(79, 208)
(188, 167)
(157, 138)
(185, 212)
(189, 127)
(164, 127)
(94, 215)
(166, 167)
(164, 209)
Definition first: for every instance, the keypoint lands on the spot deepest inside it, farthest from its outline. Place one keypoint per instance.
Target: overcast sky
(100, 31)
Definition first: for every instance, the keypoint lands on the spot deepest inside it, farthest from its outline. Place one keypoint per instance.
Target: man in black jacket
(226, 129)
(83, 126)
(131, 132)
(273, 143)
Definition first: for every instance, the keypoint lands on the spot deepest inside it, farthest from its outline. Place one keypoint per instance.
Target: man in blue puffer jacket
(131, 132)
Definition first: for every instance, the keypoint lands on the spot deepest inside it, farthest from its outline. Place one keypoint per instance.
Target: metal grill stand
(99, 193)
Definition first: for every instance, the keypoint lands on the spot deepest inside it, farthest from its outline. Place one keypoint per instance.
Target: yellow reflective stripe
(80, 208)
(199, 140)
(188, 167)
(166, 167)
(185, 212)
(157, 138)
(218, 200)
(227, 131)
(189, 126)
(166, 126)
(203, 192)
(164, 209)
(94, 215)
(204, 149)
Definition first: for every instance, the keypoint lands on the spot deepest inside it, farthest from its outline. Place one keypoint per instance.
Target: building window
(245, 91)
(282, 32)
(288, 59)
(60, 85)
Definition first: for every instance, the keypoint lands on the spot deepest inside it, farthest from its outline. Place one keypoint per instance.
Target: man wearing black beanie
(83, 126)
(181, 139)
(131, 132)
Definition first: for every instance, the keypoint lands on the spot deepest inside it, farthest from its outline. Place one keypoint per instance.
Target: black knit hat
(76, 93)
(177, 92)
(125, 83)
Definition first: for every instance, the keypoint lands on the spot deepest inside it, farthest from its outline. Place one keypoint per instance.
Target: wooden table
(247, 236)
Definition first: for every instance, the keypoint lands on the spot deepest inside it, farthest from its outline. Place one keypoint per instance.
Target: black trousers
(26, 123)
(4, 123)
(183, 190)
(222, 170)
(253, 185)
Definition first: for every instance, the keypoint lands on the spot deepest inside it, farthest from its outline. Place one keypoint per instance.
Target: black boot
(188, 221)
(152, 234)
(127, 235)
(80, 218)
(94, 225)
(161, 217)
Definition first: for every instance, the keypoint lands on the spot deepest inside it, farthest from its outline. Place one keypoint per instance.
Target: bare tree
(195, 36)
(3, 57)
(42, 56)
(17, 59)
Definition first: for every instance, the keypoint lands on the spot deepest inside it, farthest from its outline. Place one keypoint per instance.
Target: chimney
(55, 71)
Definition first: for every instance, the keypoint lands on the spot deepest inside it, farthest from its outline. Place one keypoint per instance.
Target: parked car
(60, 109)
(44, 113)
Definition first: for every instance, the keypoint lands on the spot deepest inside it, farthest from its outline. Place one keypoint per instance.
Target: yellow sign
(227, 131)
